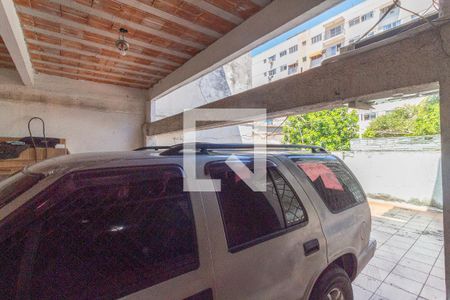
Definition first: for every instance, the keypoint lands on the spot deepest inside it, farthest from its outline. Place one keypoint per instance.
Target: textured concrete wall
(91, 117)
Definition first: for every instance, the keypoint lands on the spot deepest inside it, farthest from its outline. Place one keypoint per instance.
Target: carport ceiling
(76, 39)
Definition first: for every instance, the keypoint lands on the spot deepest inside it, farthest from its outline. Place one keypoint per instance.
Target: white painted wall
(411, 176)
(90, 116)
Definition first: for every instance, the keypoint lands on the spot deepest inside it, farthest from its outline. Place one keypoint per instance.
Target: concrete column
(445, 136)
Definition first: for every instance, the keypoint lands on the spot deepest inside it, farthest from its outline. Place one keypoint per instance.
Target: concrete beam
(276, 18)
(409, 62)
(12, 34)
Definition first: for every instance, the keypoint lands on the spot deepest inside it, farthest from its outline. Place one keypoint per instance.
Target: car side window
(112, 232)
(334, 183)
(250, 216)
(293, 210)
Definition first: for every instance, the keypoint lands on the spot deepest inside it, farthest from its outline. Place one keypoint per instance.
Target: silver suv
(113, 225)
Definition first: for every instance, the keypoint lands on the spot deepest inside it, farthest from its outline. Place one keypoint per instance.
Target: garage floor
(409, 261)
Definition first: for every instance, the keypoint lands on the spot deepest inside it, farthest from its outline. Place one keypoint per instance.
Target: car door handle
(311, 246)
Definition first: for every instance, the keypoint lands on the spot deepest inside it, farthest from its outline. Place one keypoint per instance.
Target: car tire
(333, 284)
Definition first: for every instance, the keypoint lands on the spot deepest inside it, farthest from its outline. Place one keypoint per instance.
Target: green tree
(410, 120)
(332, 129)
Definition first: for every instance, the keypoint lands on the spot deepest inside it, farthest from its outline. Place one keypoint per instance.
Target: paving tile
(404, 283)
(405, 240)
(360, 293)
(387, 229)
(367, 282)
(391, 292)
(382, 264)
(413, 264)
(392, 249)
(398, 244)
(431, 293)
(394, 257)
(430, 260)
(438, 272)
(436, 282)
(410, 273)
(375, 272)
(425, 251)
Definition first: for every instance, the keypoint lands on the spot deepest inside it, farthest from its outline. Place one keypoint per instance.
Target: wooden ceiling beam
(113, 67)
(223, 14)
(84, 27)
(128, 24)
(97, 45)
(87, 53)
(171, 18)
(79, 68)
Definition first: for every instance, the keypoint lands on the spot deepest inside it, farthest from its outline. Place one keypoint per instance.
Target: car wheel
(333, 284)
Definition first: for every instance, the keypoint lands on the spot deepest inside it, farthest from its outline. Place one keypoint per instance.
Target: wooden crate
(28, 157)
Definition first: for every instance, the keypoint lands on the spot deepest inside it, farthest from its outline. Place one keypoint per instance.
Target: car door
(265, 245)
(108, 233)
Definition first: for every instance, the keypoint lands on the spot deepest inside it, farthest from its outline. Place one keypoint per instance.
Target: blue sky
(307, 25)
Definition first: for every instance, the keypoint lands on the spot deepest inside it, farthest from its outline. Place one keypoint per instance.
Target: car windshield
(16, 185)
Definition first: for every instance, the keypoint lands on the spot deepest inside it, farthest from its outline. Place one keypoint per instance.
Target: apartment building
(309, 48)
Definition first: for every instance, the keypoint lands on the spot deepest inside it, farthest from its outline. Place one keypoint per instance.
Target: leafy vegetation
(410, 120)
(332, 129)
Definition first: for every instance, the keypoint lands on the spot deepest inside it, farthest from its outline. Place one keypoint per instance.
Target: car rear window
(333, 181)
(250, 217)
(17, 184)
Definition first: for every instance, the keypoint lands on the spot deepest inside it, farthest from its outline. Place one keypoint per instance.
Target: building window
(265, 74)
(283, 68)
(316, 39)
(272, 72)
(283, 53)
(335, 31)
(292, 69)
(333, 50)
(304, 43)
(272, 58)
(354, 21)
(391, 25)
(316, 61)
(304, 58)
(293, 49)
(265, 60)
(367, 16)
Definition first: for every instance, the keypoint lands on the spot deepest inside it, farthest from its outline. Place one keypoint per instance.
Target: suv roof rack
(205, 147)
(156, 148)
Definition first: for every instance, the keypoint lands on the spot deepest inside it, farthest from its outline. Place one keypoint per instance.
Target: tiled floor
(409, 261)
